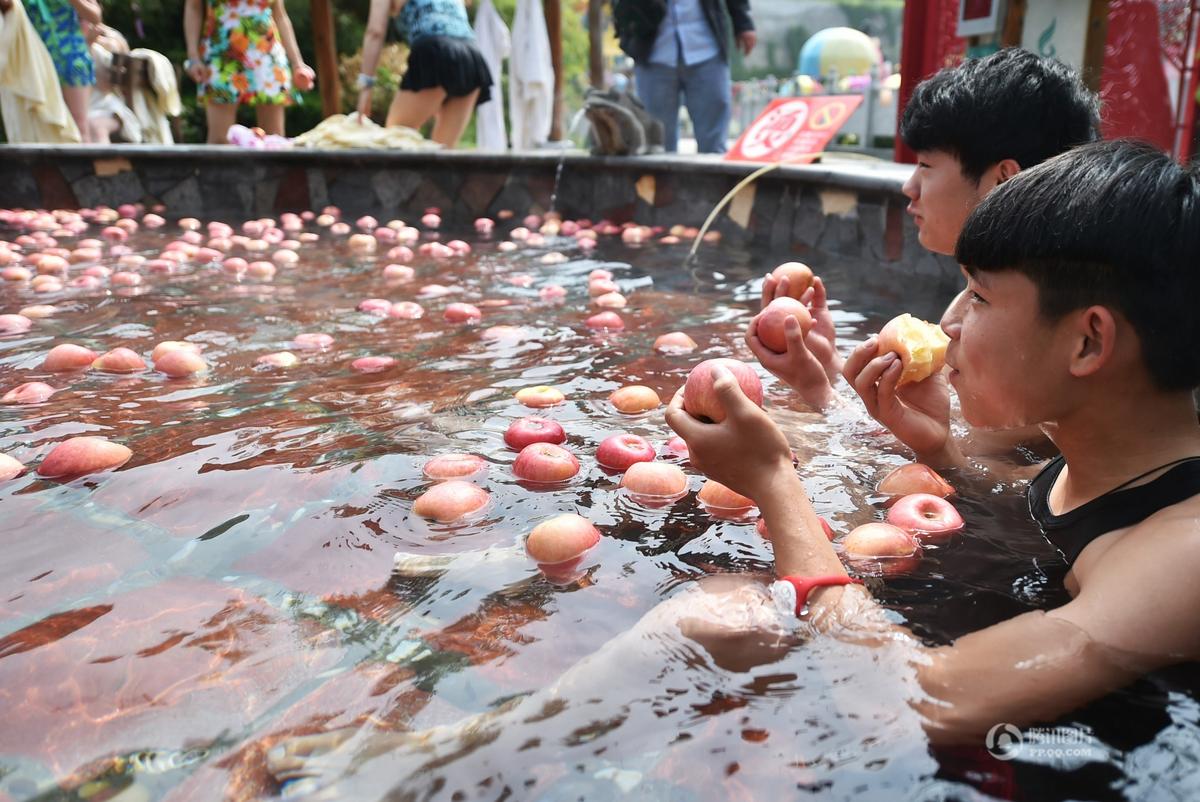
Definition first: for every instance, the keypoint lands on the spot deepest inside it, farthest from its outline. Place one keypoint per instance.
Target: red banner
(792, 128)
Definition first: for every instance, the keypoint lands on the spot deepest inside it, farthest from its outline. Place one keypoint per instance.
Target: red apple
(28, 393)
(719, 498)
(799, 276)
(449, 501)
(119, 360)
(406, 310)
(77, 456)
(621, 451)
(634, 398)
(674, 342)
(462, 313)
(930, 518)
(545, 462)
(172, 345)
(279, 359)
(14, 324)
(771, 322)
(650, 482)
(562, 538)
(68, 356)
(372, 364)
(605, 320)
(701, 401)
(527, 431)
(313, 341)
(180, 362)
(454, 466)
(540, 396)
(375, 306)
(678, 447)
(10, 468)
(915, 478)
(882, 547)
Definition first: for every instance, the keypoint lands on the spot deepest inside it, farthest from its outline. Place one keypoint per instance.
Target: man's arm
(739, 12)
(1137, 608)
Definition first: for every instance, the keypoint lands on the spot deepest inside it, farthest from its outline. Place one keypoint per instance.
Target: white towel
(531, 77)
(154, 103)
(491, 35)
(31, 102)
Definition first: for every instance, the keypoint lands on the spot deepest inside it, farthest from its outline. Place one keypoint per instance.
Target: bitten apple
(921, 347)
(929, 518)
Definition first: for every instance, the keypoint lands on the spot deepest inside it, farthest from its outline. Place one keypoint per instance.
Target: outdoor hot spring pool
(164, 624)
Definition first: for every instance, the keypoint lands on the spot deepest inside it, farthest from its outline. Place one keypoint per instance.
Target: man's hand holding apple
(822, 338)
(745, 452)
(798, 367)
(918, 414)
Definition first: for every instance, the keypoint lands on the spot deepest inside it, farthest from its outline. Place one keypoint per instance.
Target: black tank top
(1116, 509)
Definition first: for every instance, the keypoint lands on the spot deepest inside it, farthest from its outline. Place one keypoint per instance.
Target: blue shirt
(421, 18)
(684, 36)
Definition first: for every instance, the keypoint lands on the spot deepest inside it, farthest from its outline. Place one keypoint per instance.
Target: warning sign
(793, 127)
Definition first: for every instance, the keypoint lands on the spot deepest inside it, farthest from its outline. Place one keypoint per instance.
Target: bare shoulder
(1143, 593)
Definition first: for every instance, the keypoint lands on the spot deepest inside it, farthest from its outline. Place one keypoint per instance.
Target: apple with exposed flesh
(540, 396)
(634, 398)
(921, 347)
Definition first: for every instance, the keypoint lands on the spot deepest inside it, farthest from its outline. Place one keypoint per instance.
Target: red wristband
(805, 585)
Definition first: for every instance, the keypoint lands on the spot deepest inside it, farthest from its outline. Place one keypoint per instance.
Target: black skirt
(451, 63)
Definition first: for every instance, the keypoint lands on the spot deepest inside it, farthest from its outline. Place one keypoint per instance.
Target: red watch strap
(805, 585)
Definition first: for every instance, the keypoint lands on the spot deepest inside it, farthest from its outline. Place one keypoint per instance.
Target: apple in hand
(921, 347)
(799, 276)
(527, 431)
(700, 399)
(621, 451)
(771, 322)
(930, 518)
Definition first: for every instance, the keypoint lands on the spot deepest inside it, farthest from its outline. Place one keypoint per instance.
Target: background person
(246, 55)
(446, 77)
(679, 50)
(58, 23)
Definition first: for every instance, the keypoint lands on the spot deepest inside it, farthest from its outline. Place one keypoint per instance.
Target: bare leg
(102, 129)
(414, 109)
(220, 116)
(270, 118)
(77, 98)
(452, 119)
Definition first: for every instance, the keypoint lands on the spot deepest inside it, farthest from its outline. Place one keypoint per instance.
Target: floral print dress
(245, 63)
(58, 25)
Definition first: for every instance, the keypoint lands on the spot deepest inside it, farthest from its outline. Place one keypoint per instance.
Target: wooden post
(595, 21)
(1093, 51)
(325, 44)
(553, 11)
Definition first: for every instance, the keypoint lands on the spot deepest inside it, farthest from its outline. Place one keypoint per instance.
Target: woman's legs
(220, 116)
(270, 118)
(77, 98)
(414, 109)
(452, 119)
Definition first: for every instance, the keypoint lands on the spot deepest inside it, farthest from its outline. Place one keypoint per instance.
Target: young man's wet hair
(1115, 224)
(1009, 105)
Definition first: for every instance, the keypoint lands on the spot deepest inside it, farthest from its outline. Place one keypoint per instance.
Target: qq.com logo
(1004, 741)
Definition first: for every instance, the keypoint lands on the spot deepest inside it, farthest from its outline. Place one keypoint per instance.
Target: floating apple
(454, 466)
(655, 482)
(930, 518)
(620, 451)
(700, 399)
(552, 292)
(634, 398)
(68, 356)
(678, 447)
(771, 322)
(722, 499)
(609, 321)
(375, 306)
(28, 393)
(881, 546)
(449, 501)
(540, 396)
(397, 272)
(180, 362)
(544, 463)
(14, 324)
(406, 310)
(799, 276)
(674, 342)
(78, 456)
(313, 341)
(561, 539)
(915, 478)
(527, 431)
(372, 364)
(10, 468)
(119, 360)
(462, 313)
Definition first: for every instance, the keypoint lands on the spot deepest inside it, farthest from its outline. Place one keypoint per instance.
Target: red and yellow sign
(793, 127)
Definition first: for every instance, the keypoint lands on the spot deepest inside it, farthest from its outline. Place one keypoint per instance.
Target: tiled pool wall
(848, 211)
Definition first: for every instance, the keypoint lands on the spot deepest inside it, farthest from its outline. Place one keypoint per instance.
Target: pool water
(164, 624)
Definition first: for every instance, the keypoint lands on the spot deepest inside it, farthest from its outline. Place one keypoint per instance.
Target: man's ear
(1007, 169)
(1093, 333)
